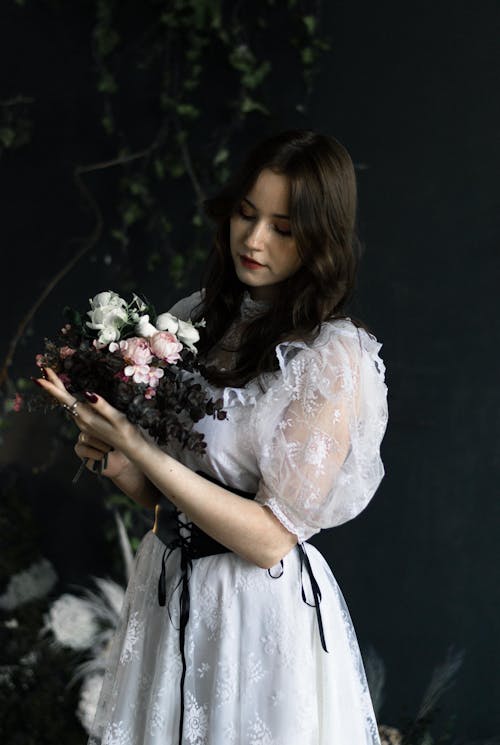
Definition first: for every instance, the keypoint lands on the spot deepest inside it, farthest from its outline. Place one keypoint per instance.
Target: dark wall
(412, 91)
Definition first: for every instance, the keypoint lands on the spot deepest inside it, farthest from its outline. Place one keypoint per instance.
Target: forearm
(135, 484)
(242, 525)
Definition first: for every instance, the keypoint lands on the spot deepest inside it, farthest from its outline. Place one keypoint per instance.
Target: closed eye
(246, 216)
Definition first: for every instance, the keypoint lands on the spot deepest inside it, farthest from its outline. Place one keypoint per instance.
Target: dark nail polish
(35, 380)
(90, 397)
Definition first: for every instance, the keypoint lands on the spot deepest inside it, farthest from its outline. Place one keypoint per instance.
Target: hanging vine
(179, 83)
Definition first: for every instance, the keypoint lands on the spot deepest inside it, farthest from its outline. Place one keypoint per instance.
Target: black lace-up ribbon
(196, 544)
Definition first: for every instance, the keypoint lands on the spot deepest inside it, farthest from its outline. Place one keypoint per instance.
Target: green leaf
(155, 259)
(177, 264)
(310, 24)
(187, 110)
(120, 236)
(176, 169)
(242, 58)
(108, 124)
(253, 78)
(159, 167)
(138, 189)
(307, 55)
(107, 83)
(107, 40)
(132, 213)
(249, 104)
(7, 136)
(166, 226)
(221, 156)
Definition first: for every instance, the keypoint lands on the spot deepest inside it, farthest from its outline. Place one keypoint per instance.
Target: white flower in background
(30, 584)
(72, 621)
(107, 315)
(188, 335)
(112, 594)
(89, 697)
(167, 322)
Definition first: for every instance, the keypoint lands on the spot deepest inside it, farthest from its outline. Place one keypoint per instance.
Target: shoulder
(338, 342)
(184, 307)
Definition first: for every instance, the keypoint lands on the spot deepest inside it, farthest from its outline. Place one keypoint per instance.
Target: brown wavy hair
(322, 209)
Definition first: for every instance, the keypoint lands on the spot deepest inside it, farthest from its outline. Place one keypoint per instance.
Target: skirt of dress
(256, 672)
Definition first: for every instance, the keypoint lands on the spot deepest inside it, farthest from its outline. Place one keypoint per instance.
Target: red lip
(250, 263)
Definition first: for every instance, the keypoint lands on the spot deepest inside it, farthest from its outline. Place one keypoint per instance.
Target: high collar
(250, 307)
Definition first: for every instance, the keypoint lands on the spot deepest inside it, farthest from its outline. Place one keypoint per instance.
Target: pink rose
(149, 393)
(66, 352)
(136, 351)
(40, 360)
(165, 346)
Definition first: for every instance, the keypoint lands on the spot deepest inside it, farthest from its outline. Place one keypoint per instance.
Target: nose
(255, 236)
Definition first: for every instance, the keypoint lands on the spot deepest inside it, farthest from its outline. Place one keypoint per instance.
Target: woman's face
(263, 250)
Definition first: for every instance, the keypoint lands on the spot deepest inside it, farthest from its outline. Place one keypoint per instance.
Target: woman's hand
(117, 463)
(97, 419)
(105, 430)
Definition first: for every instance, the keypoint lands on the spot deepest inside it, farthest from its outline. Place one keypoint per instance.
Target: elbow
(275, 556)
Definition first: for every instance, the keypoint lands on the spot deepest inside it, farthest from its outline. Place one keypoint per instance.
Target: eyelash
(250, 217)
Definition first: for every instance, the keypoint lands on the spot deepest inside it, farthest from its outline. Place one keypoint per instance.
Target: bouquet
(143, 364)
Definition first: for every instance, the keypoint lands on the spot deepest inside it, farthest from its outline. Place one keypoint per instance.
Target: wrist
(131, 441)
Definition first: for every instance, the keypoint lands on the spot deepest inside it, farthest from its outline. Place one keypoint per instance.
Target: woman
(251, 643)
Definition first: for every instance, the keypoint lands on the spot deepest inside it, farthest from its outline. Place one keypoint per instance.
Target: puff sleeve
(318, 428)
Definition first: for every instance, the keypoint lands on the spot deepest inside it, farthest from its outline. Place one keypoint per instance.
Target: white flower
(32, 583)
(105, 299)
(188, 335)
(107, 315)
(109, 334)
(167, 322)
(72, 621)
(145, 328)
(89, 697)
(101, 318)
(112, 593)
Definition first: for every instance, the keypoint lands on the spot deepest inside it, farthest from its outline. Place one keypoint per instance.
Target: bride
(233, 628)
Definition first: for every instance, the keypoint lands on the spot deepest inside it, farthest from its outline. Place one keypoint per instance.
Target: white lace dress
(306, 440)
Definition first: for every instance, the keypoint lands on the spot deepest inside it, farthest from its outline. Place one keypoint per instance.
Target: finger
(84, 451)
(94, 442)
(101, 406)
(54, 378)
(55, 390)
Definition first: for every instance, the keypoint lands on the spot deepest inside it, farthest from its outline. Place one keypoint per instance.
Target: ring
(72, 409)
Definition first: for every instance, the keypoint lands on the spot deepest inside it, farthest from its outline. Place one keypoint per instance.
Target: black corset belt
(197, 544)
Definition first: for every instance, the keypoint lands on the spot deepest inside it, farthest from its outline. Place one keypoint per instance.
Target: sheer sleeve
(182, 308)
(317, 430)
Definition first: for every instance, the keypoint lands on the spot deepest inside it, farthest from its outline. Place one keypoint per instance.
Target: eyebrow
(285, 217)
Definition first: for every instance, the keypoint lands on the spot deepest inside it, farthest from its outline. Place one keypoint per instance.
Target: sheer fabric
(306, 439)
